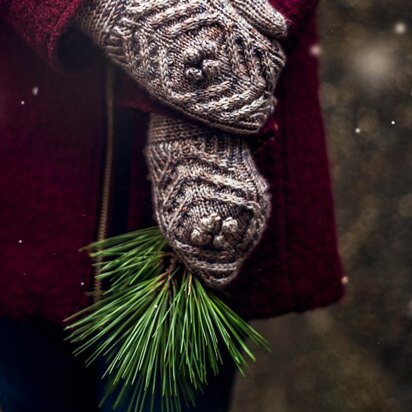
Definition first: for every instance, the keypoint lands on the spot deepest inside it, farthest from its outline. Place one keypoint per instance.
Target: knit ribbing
(212, 61)
(211, 203)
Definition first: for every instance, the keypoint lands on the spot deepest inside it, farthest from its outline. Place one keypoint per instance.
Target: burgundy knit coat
(52, 150)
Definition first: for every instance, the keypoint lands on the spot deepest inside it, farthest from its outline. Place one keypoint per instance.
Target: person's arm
(41, 23)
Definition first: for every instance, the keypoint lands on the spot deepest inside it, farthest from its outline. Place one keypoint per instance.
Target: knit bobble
(210, 69)
(202, 65)
(194, 75)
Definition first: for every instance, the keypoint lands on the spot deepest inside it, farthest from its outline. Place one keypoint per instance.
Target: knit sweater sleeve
(41, 23)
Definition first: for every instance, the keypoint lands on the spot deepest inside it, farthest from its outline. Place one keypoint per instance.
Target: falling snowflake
(35, 91)
(358, 130)
(400, 27)
(315, 50)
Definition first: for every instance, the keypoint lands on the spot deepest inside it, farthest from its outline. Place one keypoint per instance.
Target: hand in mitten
(215, 60)
(211, 202)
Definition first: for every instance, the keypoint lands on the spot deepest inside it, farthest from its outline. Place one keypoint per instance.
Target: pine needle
(159, 330)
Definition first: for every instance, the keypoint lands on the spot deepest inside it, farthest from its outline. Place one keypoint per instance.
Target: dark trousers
(39, 374)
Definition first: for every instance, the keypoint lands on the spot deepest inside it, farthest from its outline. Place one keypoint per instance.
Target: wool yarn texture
(217, 61)
(211, 203)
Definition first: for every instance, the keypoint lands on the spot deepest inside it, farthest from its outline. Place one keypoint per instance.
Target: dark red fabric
(51, 157)
(40, 23)
(50, 166)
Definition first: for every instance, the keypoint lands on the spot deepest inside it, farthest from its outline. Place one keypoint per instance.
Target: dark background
(356, 356)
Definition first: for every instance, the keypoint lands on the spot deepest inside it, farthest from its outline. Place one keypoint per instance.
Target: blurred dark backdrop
(356, 356)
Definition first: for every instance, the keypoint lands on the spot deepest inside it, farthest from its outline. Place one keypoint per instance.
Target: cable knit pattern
(210, 201)
(202, 57)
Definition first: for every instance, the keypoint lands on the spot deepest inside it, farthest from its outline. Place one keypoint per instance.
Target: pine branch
(159, 330)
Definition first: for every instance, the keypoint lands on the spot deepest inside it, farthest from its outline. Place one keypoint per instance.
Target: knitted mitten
(211, 202)
(215, 60)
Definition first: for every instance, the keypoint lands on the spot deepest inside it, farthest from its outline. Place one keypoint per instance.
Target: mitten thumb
(261, 15)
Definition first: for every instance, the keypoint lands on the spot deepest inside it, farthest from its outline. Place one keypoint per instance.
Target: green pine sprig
(158, 328)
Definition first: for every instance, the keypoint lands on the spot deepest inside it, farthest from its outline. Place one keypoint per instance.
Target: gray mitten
(210, 201)
(215, 60)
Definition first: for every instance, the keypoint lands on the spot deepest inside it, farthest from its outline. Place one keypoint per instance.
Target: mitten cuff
(97, 18)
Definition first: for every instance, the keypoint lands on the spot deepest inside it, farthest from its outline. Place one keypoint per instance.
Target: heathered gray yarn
(215, 60)
(210, 201)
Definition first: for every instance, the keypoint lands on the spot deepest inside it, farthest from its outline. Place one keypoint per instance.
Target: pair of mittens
(216, 61)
